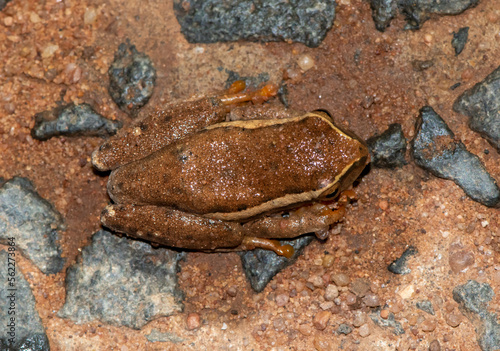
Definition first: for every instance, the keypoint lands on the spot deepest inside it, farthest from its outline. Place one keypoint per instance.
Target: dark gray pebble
(211, 21)
(388, 323)
(421, 65)
(398, 266)
(459, 40)
(416, 12)
(473, 299)
(132, 78)
(435, 149)
(28, 332)
(72, 120)
(344, 329)
(33, 223)
(426, 306)
(122, 282)
(481, 104)
(383, 11)
(261, 266)
(388, 149)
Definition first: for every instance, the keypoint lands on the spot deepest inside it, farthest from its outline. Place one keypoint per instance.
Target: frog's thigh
(170, 227)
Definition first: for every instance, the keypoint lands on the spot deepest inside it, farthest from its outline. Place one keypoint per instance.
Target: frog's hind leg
(171, 227)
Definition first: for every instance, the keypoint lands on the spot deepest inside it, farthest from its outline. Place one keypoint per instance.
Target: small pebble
(350, 299)
(453, 320)
(8, 21)
(383, 204)
(428, 325)
(434, 346)
(460, 260)
(328, 261)
(317, 281)
(364, 331)
(340, 279)
(321, 319)
(193, 321)
(232, 291)
(384, 314)
(428, 38)
(371, 300)
(344, 329)
(282, 300)
(305, 62)
(305, 329)
(326, 305)
(331, 292)
(359, 319)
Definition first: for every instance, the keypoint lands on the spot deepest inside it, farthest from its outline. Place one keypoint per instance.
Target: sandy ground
(396, 208)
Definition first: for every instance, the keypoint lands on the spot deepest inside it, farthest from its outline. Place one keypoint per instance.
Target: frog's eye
(333, 194)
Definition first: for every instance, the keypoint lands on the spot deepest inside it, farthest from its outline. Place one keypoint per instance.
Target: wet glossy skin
(217, 187)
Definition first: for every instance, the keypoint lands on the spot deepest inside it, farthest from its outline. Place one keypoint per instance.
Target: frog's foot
(171, 227)
(250, 243)
(258, 96)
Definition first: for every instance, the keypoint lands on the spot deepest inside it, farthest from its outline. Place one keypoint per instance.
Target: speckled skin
(211, 189)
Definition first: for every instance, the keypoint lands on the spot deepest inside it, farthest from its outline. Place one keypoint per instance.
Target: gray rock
(25, 331)
(435, 149)
(211, 21)
(261, 266)
(33, 222)
(72, 120)
(132, 78)
(388, 149)
(415, 11)
(398, 266)
(460, 39)
(383, 11)
(157, 336)
(419, 11)
(122, 282)
(426, 306)
(388, 323)
(481, 104)
(473, 299)
(344, 329)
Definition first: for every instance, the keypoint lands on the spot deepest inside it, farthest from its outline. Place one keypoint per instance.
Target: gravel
(132, 78)
(473, 299)
(33, 222)
(28, 333)
(459, 40)
(211, 21)
(261, 266)
(435, 149)
(72, 120)
(481, 104)
(122, 282)
(398, 266)
(388, 149)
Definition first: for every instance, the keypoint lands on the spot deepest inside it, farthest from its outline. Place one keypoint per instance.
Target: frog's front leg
(165, 126)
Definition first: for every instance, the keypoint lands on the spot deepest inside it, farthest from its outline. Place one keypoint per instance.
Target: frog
(187, 177)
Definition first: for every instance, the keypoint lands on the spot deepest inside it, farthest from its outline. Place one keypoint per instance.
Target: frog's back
(239, 169)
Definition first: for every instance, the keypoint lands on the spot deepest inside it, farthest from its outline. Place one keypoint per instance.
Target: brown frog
(184, 177)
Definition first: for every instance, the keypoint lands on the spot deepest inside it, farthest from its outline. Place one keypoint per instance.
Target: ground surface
(364, 77)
